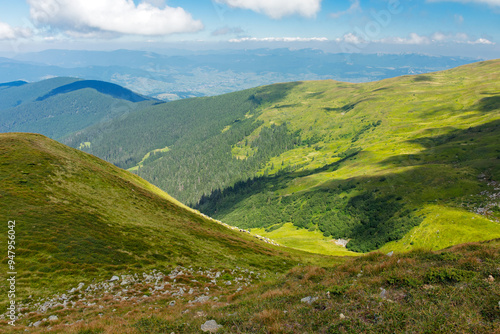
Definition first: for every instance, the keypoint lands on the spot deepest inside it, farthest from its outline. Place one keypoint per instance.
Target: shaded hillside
(103, 87)
(416, 145)
(79, 218)
(12, 84)
(59, 106)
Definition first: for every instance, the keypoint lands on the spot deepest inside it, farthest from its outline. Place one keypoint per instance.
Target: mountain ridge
(362, 143)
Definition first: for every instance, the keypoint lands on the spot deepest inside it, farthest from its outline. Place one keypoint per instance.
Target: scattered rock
(36, 324)
(201, 299)
(309, 299)
(383, 293)
(390, 253)
(342, 316)
(53, 318)
(172, 303)
(114, 278)
(341, 242)
(210, 326)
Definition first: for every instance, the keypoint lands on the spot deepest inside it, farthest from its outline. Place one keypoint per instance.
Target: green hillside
(100, 250)
(60, 106)
(79, 218)
(400, 163)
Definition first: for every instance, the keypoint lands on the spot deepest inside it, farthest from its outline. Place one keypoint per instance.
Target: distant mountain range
(190, 74)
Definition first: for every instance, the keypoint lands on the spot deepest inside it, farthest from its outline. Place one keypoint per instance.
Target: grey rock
(114, 278)
(53, 318)
(201, 299)
(210, 326)
(172, 303)
(309, 299)
(390, 253)
(38, 323)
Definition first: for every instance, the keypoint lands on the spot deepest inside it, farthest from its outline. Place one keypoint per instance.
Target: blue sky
(449, 27)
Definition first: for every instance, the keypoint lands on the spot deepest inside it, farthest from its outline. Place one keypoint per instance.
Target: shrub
(448, 275)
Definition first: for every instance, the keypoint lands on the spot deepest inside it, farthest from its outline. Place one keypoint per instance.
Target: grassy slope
(78, 217)
(455, 290)
(429, 141)
(438, 133)
(310, 241)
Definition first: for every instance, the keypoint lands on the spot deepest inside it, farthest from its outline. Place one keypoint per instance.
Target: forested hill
(57, 107)
(408, 161)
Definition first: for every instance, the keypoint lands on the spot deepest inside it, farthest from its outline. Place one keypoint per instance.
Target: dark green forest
(199, 133)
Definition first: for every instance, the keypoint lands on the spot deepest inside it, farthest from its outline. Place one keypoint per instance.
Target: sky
(468, 28)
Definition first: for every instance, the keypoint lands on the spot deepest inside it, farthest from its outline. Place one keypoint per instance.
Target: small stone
(390, 253)
(383, 293)
(53, 318)
(309, 299)
(210, 326)
(172, 303)
(114, 278)
(342, 316)
(491, 279)
(36, 324)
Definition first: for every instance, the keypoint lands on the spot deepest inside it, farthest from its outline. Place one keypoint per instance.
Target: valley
(380, 201)
(372, 163)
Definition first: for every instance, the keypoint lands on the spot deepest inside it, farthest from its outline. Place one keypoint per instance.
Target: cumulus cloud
(279, 39)
(227, 31)
(8, 32)
(277, 8)
(355, 7)
(481, 41)
(414, 38)
(112, 16)
(351, 39)
(436, 38)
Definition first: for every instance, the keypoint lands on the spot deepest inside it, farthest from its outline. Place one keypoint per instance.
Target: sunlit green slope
(413, 158)
(79, 218)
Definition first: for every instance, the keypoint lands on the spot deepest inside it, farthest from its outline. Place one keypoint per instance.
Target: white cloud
(436, 38)
(277, 8)
(351, 39)
(485, 2)
(481, 41)
(8, 32)
(413, 39)
(279, 39)
(114, 16)
(355, 7)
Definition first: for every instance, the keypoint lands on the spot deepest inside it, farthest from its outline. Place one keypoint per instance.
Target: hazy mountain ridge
(181, 74)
